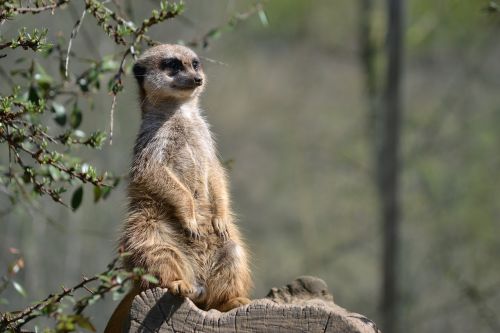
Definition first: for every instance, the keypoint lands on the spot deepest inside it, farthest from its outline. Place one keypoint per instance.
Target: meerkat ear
(139, 72)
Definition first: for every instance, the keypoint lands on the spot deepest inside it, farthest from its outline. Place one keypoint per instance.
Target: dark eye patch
(172, 64)
(139, 73)
(196, 64)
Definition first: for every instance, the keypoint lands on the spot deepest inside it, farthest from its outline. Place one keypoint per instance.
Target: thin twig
(204, 40)
(111, 119)
(74, 32)
(214, 61)
(118, 80)
(36, 10)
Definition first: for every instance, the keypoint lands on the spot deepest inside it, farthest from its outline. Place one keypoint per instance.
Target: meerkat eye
(196, 64)
(172, 64)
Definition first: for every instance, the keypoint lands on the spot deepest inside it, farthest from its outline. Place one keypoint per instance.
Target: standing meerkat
(180, 226)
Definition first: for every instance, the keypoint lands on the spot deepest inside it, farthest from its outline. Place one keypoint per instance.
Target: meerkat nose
(198, 80)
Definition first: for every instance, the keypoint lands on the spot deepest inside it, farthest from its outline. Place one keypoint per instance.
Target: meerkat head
(169, 72)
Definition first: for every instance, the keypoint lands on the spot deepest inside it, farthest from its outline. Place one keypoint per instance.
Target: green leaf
(79, 134)
(60, 113)
(43, 79)
(54, 173)
(76, 199)
(493, 7)
(84, 322)
(125, 254)
(33, 95)
(106, 190)
(214, 34)
(104, 278)
(109, 65)
(19, 288)
(150, 278)
(97, 139)
(97, 193)
(263, 18)
(75, 118)
(94, 299)
(65, 323)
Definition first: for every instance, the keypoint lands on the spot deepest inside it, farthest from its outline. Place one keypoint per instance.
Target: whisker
(214, 61)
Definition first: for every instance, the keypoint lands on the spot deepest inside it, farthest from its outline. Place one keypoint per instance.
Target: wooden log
(305, 305)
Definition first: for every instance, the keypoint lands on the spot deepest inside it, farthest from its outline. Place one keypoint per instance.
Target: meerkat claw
(191, 227)
(181, 288)
(194, 234)
(220, 228)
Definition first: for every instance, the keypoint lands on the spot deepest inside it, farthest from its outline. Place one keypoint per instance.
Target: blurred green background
(287, 106)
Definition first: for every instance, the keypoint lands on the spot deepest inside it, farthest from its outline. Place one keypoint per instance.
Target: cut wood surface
(305, 305)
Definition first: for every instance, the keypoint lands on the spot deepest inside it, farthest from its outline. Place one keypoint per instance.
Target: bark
(368, 53)
(389, 167)
(305, 305)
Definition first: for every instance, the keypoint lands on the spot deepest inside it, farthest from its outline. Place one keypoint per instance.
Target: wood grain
(304, 305)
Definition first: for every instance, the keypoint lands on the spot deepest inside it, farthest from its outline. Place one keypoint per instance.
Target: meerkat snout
(169, 72)
(198, 80)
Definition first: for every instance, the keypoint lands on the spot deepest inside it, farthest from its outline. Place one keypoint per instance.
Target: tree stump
(305, 305)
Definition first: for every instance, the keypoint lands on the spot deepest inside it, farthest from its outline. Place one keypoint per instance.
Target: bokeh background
(287, 105)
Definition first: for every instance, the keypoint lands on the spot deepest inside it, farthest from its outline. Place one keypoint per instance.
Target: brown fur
(180, 227)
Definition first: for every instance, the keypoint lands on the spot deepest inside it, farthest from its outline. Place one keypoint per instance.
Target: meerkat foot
(220, 227)
(181, 288)
(233, 303)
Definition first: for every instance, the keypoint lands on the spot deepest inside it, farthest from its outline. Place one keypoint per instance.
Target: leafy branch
(26, 138)
(233, 21)
(114, 279)
(35, 41)
(9, 8)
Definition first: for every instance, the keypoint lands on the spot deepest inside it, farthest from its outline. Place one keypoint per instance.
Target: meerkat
(180, 227)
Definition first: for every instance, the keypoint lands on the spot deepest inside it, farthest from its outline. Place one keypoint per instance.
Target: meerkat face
(169, 72)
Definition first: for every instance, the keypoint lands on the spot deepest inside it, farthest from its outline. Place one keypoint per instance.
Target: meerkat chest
(188, 149)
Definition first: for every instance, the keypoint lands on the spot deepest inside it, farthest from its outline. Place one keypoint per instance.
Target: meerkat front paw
(191, 227)
(220, 227)
(181, 288)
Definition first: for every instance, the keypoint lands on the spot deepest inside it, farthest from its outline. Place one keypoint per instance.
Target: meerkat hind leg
(175, 278)
(233, 303)
(172, 268)
(229, 282)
